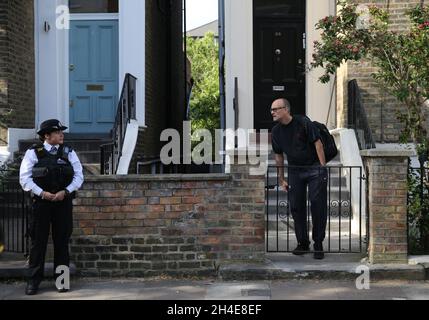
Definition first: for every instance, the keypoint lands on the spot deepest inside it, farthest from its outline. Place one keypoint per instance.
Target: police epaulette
(39, 149)
(65, 151)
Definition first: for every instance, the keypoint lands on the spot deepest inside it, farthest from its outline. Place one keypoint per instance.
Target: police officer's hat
(50, 126)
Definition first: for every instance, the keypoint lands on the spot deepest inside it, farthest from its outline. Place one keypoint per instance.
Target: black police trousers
(316, 178)
(47, 216)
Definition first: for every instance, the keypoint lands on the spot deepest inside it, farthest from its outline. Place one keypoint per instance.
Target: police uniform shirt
(30, 160)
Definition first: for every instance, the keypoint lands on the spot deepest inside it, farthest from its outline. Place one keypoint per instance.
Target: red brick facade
(17, 79)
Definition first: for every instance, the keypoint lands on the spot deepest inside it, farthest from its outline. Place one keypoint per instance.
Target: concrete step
(88, 157)
(87, 149)
(92, 169)
(334, 194)
(285, 266)
(333, 181)
(78, 145)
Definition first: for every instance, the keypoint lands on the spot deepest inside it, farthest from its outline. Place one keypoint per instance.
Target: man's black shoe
(318, 252)
(301, 249)
(63, 290)
(32, 288)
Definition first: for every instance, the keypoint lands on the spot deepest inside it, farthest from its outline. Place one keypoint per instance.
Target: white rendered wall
(239, 62)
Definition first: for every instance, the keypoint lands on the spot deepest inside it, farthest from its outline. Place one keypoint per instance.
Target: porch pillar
(387, 204)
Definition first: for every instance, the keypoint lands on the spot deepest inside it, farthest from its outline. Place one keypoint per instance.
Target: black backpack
(328, 141)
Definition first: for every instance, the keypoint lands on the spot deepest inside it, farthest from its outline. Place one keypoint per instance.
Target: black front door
(279, 67)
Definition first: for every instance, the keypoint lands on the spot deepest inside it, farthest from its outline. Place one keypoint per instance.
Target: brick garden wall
(17, 77)
(149, 225)
(382, 120)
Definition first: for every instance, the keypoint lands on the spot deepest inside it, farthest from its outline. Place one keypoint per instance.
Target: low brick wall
(177, 224)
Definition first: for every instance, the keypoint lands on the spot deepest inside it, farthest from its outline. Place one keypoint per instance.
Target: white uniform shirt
(30, 160)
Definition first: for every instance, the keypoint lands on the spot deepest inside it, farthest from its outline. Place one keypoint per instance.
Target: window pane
(93, 6)
(279, 8)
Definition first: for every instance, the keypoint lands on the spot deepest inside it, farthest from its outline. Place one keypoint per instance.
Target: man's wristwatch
(67, 193)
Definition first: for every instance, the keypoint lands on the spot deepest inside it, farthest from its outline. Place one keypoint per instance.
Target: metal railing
(15, 208)
(347, 223)
(418, 210)
(357, 117)
(111, 153)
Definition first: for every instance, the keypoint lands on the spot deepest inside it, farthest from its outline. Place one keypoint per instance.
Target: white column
(51, 63)
(239, 60)
(132, 49)
(318, 94)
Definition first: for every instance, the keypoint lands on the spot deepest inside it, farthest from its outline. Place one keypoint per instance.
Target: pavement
(167, 289)
(280, 277)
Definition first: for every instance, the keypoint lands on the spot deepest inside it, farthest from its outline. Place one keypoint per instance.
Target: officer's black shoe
(301, 249)
(318, 251)
(32, 288)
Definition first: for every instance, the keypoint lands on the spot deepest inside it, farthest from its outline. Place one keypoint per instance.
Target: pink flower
(350, 47)
(355, 50)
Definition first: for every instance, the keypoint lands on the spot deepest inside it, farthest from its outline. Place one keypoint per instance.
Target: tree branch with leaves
(401, 58)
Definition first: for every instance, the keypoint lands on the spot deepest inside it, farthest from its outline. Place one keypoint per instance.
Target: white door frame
(52, 56)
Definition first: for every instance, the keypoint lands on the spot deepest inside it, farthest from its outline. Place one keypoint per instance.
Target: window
(273, 8)
(93, 6)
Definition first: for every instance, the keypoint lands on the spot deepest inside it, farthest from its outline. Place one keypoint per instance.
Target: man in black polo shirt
(299, 139)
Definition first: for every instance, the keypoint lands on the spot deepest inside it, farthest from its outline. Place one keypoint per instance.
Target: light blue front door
(94, 73)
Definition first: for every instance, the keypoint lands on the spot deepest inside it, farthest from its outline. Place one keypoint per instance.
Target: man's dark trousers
(46, 214)
(316, 178)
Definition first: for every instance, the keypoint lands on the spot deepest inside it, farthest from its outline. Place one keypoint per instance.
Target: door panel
(279, 67)
(94, 73)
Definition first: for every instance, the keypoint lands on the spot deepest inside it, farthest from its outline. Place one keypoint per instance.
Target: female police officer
(53, 173)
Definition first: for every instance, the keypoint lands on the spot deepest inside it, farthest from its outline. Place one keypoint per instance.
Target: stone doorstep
(330, 271)
(280, 267)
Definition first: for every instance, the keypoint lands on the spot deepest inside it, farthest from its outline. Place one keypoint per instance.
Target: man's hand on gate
(284, 184)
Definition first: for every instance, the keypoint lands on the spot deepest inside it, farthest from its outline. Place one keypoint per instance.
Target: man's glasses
(276, 109)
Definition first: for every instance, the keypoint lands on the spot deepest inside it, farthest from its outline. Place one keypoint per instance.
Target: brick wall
(17, 82)
(380, 107)
(149, 225)
(164, 101)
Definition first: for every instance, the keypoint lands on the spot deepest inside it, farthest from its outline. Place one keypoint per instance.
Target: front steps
(87, 148)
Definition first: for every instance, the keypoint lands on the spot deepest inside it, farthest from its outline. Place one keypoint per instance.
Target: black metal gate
(347, 225)
(15, 207)
(418, 210)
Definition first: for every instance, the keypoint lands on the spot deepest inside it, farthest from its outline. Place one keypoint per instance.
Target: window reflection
(279, 7)
(93, 6)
